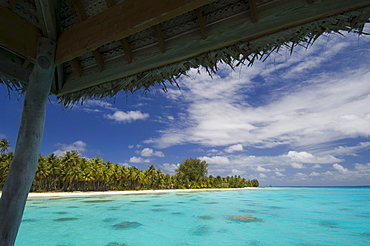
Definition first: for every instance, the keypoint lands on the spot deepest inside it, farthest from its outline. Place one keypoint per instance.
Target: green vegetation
(72, 172)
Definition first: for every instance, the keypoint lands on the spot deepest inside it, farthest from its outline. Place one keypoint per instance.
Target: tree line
(72, 172)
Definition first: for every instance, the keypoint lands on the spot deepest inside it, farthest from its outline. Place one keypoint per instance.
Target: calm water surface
(284, 216)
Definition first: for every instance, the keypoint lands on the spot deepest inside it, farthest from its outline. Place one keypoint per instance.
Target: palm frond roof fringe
(98, 56)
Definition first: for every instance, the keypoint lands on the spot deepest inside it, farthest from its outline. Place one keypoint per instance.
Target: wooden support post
(77, 67)
(253, 8)
(202, 25)
(99, 60)
(26, 63)
(79, 9)
(127, 50)
(23, 167)
(159, 35)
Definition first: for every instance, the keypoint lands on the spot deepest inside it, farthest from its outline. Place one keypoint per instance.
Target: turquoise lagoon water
(286, 216)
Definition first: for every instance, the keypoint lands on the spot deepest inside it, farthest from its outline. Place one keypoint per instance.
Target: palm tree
(5, 160)
(4, 145)
(55, 171)
(42, 173)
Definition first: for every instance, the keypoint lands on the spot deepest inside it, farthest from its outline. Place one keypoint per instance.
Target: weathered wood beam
(24, 164)
(17, 34)
(99, 60)
(126, 49)
(273, 17)
(112, 25)
(253, 9)
(96, 53)
(159, 35)
(109, 3)
(201, 22)
(12, 66)
(124, 42)
(47, 13)
(77, 5)
(12, 4)
(26, 62)
(76, 66)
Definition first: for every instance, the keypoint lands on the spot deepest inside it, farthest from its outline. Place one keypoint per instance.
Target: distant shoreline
(125, 192)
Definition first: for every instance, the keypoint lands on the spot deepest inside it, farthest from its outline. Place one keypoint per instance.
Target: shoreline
(125, 192)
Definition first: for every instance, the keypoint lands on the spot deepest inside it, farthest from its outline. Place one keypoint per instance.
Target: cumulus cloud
(300, 176)
(136, 159)
(340, 168)
(108, 111)
(78, 146)
(236, 172)
(262, 175)
(220, 160)
(305, 157)
(297, 165)
(169, 168)
(128, 116)
(314, 174)
(148, 152)
(279, 174)
(262, 169)
(233, 148)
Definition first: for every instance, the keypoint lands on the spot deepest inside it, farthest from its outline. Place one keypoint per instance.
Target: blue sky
(300, 119)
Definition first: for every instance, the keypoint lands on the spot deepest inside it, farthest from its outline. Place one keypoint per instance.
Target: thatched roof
(109, 46)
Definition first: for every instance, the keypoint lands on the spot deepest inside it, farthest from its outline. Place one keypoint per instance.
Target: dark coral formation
(127, 224)
(244, 218)
(66, 219)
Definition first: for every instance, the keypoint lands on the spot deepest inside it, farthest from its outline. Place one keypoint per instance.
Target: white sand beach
(128, 192)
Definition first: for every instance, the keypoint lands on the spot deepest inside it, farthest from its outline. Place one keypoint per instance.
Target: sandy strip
(130, 192)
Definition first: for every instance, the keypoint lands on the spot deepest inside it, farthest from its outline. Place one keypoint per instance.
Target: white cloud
(305, 157)
(348, 150)
(279, 174)
(297, 165)
(363, 168)
(147, 152)
(213, 151)
(262, 169)
(219, 160)
(236, 172)
(300, 176)
(78, 146)
(103, 107)
(128, 116)
(169, 168)
(340, 168)
(135, 159)
(233, 148)
(314, 174)
(124, 164)
(262, 175)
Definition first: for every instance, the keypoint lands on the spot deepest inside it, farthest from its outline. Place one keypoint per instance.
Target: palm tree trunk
(23, 167)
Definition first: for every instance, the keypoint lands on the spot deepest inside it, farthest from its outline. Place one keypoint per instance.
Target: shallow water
(280, 216)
